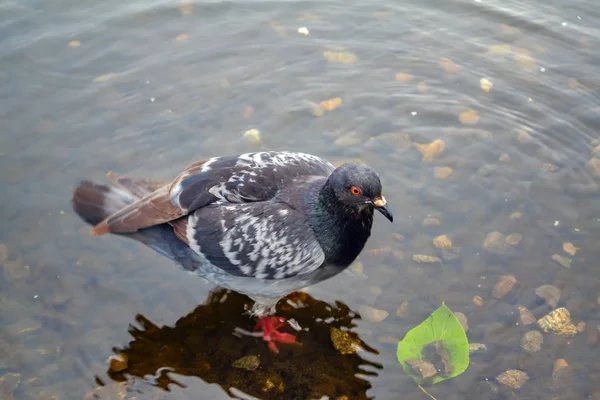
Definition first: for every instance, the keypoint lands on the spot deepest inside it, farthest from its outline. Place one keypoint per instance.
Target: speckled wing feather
(265, 240)
(248, 177)
(244, 178)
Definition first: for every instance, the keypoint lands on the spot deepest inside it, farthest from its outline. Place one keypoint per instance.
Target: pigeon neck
(342, 231)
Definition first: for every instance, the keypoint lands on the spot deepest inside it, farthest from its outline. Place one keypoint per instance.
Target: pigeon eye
(355, 191)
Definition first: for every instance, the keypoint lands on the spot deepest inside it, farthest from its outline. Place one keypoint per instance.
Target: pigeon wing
(265, 240)
(243, 178)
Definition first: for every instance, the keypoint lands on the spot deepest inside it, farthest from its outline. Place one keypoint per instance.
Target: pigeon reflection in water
(203, 344)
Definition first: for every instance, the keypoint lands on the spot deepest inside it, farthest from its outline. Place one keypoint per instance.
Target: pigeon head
(358, 186)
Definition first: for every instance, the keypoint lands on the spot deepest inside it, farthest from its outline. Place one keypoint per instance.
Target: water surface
(145, 88)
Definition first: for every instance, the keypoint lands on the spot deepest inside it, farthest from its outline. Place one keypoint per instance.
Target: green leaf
(441, 330)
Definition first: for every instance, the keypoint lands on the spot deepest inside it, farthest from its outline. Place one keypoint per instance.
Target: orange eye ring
(355, 191)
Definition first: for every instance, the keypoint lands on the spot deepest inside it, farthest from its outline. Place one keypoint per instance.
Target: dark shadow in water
(203, 344)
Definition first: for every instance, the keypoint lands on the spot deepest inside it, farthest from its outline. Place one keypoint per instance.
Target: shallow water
(145, 88)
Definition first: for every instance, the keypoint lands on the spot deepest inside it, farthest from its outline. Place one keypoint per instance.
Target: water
(133, 96)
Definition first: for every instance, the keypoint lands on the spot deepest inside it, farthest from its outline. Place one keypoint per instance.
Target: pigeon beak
(381, 206)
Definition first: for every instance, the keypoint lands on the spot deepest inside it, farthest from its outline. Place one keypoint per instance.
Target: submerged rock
(525, 316)
(549, 293)
(513, 378)
(8, 384)
(372, 314)
(504, 285)
(558, 322)
(423, 368)
(442, 242)
(562, 260)
(249, 363)
(344, 342)
(532, 341)
(477, 348)
(118, 362)
(495, 243)
(422, 258)
(570, 249)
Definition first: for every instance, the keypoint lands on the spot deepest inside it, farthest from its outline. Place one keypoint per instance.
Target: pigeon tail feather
(94, 202)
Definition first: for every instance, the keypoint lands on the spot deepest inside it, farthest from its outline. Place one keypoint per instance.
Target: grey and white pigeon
(264, 224)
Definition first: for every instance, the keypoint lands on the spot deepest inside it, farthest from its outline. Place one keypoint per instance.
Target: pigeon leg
(269, 325)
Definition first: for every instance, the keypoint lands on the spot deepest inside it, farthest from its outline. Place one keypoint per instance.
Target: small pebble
(249, 363)
(478, 301)
(449, 66)
(431, 150)
(468, 117)
(402, 310)
(376, 255)
(549, 293)
(421, 258)
(423, 368)
(442, 172)
(74, 44)
(516, 215)
(523, 136)
(494, 243)
(548, 167)
(398, 237)
(253, 136)
(343, 57)
(593, 167)
(430, 222)
(442, 242)
(404, 77)
(570, 249)
(504, 157)
(564, 261)
(477, 348)
(513, 378)
(331, 104)
(580, 326)
(372, 314)
(513, 239)
(343, 341)
(504, 285)
(485, 84)
(348, 141)
(303, 31)
(558, 322)
(118, 362)
(357, 268)
(559, 367)
(532, 341)
(525, 316)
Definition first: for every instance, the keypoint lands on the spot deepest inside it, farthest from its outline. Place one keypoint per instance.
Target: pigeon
(264, 224)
